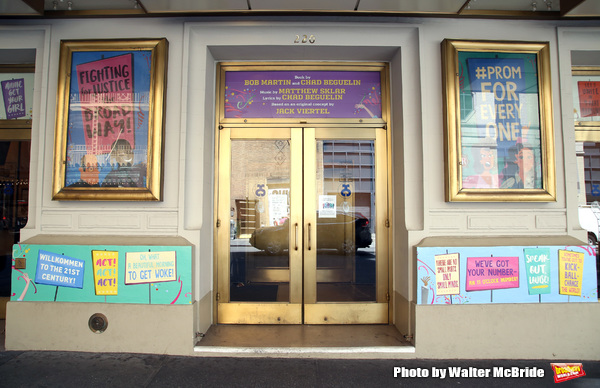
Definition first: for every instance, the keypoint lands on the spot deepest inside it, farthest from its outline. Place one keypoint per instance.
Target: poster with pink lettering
(492, 273)
(106, 95)
(108, 119)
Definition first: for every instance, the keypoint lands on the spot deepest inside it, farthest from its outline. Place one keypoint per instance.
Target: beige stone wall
(131, 328)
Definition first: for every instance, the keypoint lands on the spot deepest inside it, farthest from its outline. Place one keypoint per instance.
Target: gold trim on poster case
(156, 121)
(452, 132)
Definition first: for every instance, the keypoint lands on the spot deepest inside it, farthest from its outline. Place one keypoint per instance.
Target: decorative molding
(118, 221)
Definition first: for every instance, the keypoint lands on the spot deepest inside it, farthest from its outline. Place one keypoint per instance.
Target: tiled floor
(298, 336)
(357, 337)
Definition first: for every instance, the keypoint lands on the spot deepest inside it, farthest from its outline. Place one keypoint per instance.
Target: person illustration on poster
(520, 172)
(126, 174)
(89, 172)
(24, 276)
(524, 177)
(362, 106)
(485, 167)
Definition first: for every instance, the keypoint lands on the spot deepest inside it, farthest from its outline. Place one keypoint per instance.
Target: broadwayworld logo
(567, 371)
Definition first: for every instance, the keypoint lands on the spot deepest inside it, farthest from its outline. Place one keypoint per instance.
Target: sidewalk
(68, 369)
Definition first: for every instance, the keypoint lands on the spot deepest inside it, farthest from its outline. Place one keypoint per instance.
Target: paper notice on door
(327, 206)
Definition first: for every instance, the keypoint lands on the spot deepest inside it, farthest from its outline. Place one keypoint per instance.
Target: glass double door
(301, 230)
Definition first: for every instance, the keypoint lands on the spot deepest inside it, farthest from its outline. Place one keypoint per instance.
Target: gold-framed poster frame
(498, 127)
(110, 120)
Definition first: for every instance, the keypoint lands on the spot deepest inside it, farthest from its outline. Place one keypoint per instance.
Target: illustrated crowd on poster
(488, 166)
(108, 120)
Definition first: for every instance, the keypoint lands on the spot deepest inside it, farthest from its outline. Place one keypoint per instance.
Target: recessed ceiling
(472, 8)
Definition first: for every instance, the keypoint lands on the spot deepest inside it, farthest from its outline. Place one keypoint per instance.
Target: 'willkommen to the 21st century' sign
(59, 270)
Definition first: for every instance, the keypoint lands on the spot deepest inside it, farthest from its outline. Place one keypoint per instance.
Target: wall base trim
(553, 331)
(132, 328)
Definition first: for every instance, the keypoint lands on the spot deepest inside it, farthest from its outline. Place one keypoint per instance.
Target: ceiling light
(469, 2)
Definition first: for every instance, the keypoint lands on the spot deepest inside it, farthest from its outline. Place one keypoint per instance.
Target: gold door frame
(348, 312)
(303, 306)
(292, 312)
(244, 312)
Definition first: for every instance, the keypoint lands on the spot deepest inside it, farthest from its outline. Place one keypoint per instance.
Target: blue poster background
(500, 82)
(500, 121)
(426, 289)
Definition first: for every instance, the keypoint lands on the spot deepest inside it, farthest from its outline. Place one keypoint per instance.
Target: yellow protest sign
(447, 278)
(106, 272)
(570, 270)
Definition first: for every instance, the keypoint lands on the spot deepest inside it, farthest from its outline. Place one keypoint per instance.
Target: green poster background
(174, 292)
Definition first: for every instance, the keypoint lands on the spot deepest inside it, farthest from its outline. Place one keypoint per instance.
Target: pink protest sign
(106, 90)
(491, 273)
(589, 98)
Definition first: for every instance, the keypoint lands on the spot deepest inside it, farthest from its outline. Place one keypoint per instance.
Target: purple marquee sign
(303, 94)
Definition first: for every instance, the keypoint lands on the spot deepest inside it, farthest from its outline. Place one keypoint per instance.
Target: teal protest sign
(537, 265)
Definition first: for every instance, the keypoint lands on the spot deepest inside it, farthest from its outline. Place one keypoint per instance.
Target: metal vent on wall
(98, 323)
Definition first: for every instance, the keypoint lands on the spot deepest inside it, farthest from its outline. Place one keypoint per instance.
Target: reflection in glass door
(345, 256)
(14, 194)
(259, 257)
(260, 188)
(303, 218)
(345, 221)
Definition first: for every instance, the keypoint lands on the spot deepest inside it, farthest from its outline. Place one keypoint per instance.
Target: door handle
(296, 239)
(309, 228)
